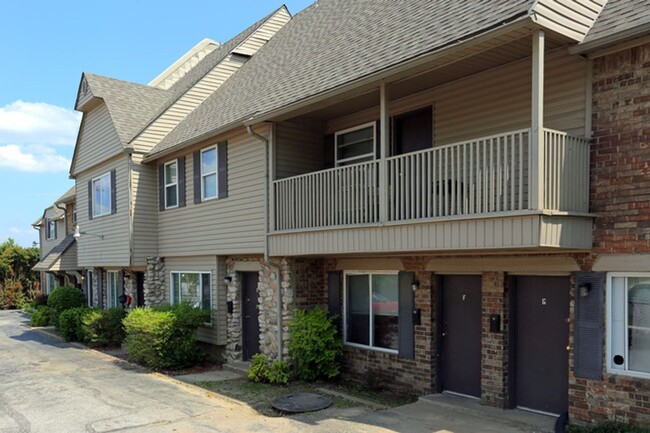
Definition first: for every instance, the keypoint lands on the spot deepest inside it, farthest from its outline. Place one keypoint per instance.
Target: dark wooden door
(139, 289)
(541, 340)
(460, 364)
(250, 315)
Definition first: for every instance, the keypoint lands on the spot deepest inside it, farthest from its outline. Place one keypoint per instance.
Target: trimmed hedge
(165, 337)
(71, 325)
(42, 316)
(104, 327)
(64, 298)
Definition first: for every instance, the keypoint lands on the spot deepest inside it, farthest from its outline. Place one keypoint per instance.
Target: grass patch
(260, 395)
(610, 427)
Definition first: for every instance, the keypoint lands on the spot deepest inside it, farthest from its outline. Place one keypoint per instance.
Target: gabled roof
(618, 18)
(68, 197)
(57, 213)
(54, 254)
(211, 60)
(129, 104)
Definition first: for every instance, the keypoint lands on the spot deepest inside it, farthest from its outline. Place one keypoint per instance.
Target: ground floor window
(112, 289)
(191, 287)
(628, 322)
(371, 305)
(50, 282)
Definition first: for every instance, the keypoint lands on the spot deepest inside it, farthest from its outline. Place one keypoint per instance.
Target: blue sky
(46, 45)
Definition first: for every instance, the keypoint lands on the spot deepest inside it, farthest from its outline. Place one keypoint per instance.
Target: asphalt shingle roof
(334, 42)
(68, 196)
(54, 254)
(617, 16)
(129, 104)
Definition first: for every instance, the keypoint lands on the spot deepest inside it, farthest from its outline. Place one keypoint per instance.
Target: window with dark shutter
(589, 324)
(406, 309)
(90, 199)
(161, 187)
(196, 158)
(113, 192)
(181, 181)
(334, 296)
(222, 161)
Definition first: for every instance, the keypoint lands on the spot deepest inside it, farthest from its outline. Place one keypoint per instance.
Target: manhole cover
(301, 402)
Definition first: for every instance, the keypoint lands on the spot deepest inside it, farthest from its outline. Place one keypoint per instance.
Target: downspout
(273, 266)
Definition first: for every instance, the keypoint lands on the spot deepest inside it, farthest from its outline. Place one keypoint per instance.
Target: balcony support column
(384, 120)
(536, 160)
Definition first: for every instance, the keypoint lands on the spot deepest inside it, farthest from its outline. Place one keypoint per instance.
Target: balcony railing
(481, 176)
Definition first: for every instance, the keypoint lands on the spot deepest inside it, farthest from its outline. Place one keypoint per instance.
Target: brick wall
(494, 346)
(620, 195)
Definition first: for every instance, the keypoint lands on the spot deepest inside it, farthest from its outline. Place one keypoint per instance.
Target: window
(209, 173)
(371, 304)
(50, 282)
(112, 289)
(51, 229)
(171, 184)
(628, 324)
(191, 287)
(355, 145)
(101, 195)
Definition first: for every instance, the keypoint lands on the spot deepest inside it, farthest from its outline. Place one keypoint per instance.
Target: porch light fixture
(78, 233)
(227, 280)
(584, 289)
(415, 285)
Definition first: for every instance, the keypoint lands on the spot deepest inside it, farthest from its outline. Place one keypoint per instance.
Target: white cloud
(35, 159)
(37, 122)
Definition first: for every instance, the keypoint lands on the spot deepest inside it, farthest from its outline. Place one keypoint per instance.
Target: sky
(45, 45)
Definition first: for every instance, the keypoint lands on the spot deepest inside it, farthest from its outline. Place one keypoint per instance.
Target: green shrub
(610, 427)
(71, 323)
(64, 298)
(39, 299)
(41, 316)
(259, 368)
(279, 373)
(165, 337)
(314, 345)
(104, 327)
(12, 295)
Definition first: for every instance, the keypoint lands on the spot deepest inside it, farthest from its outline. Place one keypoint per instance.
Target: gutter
(273, 266)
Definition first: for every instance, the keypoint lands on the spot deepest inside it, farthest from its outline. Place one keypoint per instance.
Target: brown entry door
(460, 362)
(250, 315)
(541, 340)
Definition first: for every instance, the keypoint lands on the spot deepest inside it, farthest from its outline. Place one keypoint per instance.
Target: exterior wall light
(415, 285)
(227, 279)
(584, 289)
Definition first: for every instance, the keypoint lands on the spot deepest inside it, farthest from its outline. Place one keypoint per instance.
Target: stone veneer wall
(619, 196)
(380, 368)
(95, 287)
(300, 283)
(154, 282)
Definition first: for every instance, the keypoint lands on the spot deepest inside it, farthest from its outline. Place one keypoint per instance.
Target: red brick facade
(494, 348)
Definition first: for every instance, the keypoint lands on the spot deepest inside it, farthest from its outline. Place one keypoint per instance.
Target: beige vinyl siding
(84, 97)
(495, 101)
(144, 205)
(216, 332)
(114, 248)
(231, 225)
(497, 233)
(572, 18)
(262, 35)
(48, 244)
(299, 149)
(97, 141)
(68, 260)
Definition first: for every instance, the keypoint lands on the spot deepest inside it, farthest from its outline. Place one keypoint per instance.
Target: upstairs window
(355, 145)
(209, 177)
(171, 184)
(101, 195)
(51, 229)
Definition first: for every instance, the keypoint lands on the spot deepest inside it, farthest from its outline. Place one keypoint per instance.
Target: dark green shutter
(161, 187)
(222, 169)
(181, 181)
(113, 193)
(100, 289)
(406, 313)
(196, 156)
(120, 283)
(588, 359)
(334, 279)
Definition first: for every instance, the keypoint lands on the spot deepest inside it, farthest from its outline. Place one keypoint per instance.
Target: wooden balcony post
(536, 167)
(384, 120)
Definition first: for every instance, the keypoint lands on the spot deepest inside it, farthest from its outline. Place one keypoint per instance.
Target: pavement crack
(24, 426)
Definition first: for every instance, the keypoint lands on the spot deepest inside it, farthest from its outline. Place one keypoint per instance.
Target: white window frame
(49, 233)
(50, 282)
(95, 212)
(215, 172)
(170, 184)
(608, 319)
(341, 162)
(371, 322)
(200, 274)
(110, 277)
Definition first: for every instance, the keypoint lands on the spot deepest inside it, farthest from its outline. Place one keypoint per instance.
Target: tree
(16, 263)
